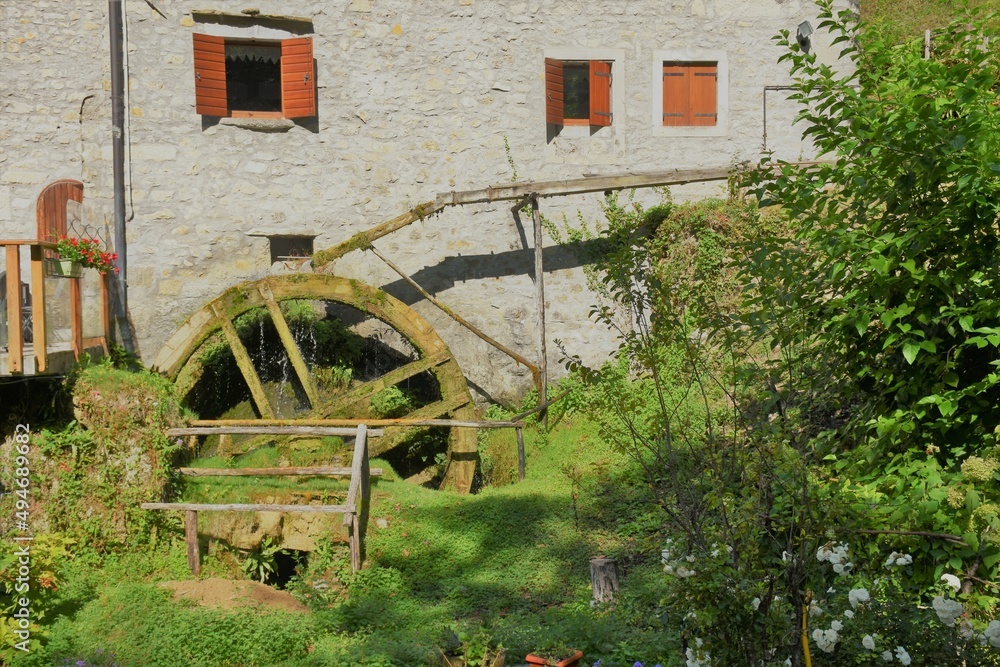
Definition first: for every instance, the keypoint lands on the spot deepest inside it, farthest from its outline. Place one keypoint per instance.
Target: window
(254, 78)
(690, 94)
(290, 248)
(578, 92)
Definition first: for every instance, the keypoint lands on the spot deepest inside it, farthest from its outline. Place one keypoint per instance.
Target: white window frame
(718, 56)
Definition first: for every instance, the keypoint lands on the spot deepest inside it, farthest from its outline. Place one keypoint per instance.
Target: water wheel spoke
(342, 404)
(245, 364)
(394, 436)
(291, 348)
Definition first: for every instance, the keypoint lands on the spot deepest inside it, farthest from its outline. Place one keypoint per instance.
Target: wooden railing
(354, 509)
(16, 310)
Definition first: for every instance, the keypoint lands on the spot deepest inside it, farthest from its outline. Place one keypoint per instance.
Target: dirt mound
(226, 594)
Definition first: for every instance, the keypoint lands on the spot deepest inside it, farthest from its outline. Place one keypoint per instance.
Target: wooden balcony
(46, 322)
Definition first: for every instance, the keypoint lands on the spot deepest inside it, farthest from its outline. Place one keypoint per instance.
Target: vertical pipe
(543, 364)
(118, 164)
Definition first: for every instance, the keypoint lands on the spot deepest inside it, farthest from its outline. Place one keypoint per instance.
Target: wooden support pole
(76, 316)
(285, 334)
(15, 341)
(245, 363)
(191, 537)
(543, 364)
(105, 309)
(520, 454)
(927, 44)
(362, 240)
(358, 494)
(604, 578)
(535, 372)
(38, 308)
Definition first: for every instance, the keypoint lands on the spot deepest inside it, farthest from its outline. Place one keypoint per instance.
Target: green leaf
(910, 351)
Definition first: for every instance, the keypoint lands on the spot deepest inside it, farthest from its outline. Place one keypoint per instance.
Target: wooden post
(191, 537)
(15, 341)
(927, 44)
(356, 521)
(604, 578)
(520, 454)
(38, 308)
(105, 309)
(76, 317)
(543, 364)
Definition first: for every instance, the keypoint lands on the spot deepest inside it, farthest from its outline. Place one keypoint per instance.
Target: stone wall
(413, 99)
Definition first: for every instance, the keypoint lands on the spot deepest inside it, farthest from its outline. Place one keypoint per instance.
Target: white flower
(691, 558)
(826, 640)
(837, 626)
(848, 613)
(948, 610)
(992, 633)
(755, 604)
(669, 569)
(868, 642)
(788, 662)
(858, 596)
(903, 656)
(815, 609)
(887, 656)
(897, 559)
(952, 581)
(684, 573)
(831, 589)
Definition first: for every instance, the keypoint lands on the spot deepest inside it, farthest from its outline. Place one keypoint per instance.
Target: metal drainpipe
(118, 164)
(767, 88)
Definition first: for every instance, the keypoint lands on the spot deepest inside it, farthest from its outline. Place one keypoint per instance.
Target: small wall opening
(290, 248)
(287, 563)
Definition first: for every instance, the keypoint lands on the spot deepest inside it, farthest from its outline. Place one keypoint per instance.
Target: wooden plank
(543, 364)
(571, 186)
(403, 421)
(301, 471)
(191, 538)
(554, 103)
(359, 495)
(364, 239)
(245, 364)
(297, 77)
(105, 307)
(291, 348)
(15, 340)
(267, 430)
(248, 507)
(458, 318)
(520, 455)
(38, 320)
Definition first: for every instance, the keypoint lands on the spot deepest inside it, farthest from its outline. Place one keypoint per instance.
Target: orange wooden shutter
(600, 93)
(298, 78)
(210, 75)
(676, 97)
(704, 83)
(554, 112)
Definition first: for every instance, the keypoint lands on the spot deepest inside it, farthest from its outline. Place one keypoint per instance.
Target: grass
(510, 563)
(908, 19)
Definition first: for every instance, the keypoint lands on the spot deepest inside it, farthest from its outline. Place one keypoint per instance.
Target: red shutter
(298, 78)
(554, 92)
(676, 95)
(600, 93)
(210, 75)
(50, 209)
(704, 84)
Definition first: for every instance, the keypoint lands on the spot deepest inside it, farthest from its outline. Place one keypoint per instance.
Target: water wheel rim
(176, 359)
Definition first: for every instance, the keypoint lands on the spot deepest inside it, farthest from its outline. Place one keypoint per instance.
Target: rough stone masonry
(412, 99)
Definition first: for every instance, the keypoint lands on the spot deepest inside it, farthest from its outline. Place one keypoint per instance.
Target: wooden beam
(362, 240)
(15, 341)
(245, 363)
(369, 389)
(520, 455)
(406, 421)
(301, 471)
(191, 538)
(248, 507)
(38, 308)
(266, 430)
(358, 494)
(535, 373)
(574, 186)
(105, 309)
(543, 364)
(294, 355)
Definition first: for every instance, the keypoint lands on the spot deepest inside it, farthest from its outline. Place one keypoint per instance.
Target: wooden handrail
(29, 242)
(248, 507)
(290, 471)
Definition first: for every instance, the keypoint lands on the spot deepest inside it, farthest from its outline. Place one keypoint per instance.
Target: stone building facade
(409, 100)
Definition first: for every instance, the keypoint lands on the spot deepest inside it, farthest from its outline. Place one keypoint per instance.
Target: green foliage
(390, 402)
(883, 297)
(260, 562)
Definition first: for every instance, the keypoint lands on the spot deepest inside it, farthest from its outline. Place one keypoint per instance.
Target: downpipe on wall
(118, 165)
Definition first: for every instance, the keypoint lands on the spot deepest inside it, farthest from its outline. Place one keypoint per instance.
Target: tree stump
(604, 578)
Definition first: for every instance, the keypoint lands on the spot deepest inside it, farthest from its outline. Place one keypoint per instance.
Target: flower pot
(571, 661)
(64, 268)
(493, 659)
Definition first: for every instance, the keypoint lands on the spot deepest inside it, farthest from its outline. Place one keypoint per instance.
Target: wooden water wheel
(183, 358)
